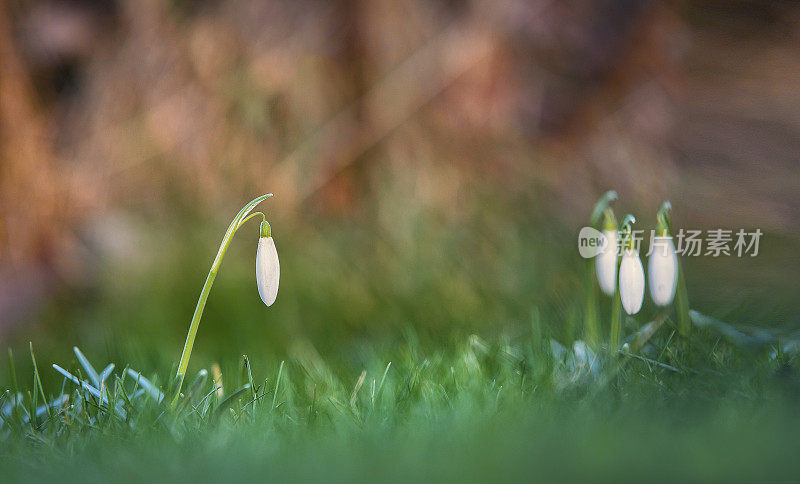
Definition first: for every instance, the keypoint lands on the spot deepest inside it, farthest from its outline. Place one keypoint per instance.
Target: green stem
(254, 214)
(603, 211)
(601, 206)
(237, 222)
(682, 296)
(664, 218)
(616, 322)
(591, 322)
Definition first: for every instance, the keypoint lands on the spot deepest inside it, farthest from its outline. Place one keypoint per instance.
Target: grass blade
(641, 337)
(106, 373)
(197, 384)
(230, 399)
(758, 340)
(82, 384)
(90, 371)
(277, 385)
(250, 380)
(383, 379)
(37, 382)
(154, 392)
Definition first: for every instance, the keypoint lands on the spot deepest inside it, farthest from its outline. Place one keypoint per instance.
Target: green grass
(476, 410)
(464, 332)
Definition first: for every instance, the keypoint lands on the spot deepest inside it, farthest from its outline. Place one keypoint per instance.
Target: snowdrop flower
(662, 265)
(606, 263)
(662, 271)
(268, 269)
(267, 273)
(604, 272)
(631, 282)
(631, 272)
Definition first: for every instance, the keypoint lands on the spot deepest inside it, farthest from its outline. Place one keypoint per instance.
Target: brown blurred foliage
(136, 102)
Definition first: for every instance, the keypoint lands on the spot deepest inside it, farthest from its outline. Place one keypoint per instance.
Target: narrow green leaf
(90, 371)
(38, 381)
(231, 398)
(277, 385)
(154, 392)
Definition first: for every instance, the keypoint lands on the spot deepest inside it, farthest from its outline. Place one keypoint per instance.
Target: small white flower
(631, 282)
(662, 271)
(268, 270)
(606, 263)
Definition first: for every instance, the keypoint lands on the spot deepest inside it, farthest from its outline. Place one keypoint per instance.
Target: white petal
(662, 271)
(631, 282)
(606, 263)
(268, 270)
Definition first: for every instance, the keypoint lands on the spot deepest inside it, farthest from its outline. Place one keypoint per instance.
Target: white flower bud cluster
(662, 265)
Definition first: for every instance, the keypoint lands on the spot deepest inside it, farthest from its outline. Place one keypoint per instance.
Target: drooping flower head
(268, 268)
(603, 219)
(631, 273)
(606, 259)
(662, 264)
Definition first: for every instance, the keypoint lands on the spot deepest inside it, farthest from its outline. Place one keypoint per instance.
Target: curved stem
(601, 206)
(664, 219)
(626, 231)
(237, 222)
(254, 214)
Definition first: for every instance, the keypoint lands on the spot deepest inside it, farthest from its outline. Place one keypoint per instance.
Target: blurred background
(432, 161)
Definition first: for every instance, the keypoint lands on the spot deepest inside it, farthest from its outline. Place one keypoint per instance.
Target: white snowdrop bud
(631, 281)
(268, 270)
(662, 270)
(606, 264)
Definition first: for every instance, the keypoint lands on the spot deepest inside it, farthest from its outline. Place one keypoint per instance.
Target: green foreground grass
(475, 410)
(404, 349)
